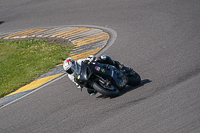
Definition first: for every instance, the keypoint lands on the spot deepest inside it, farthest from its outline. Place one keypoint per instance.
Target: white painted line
(54, 31)
(86, 34)
(34, 90)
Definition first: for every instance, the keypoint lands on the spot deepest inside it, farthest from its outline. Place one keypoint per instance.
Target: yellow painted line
(92, 39)
(85, 54)
(26, 33)
(35, 84)
(72, 32)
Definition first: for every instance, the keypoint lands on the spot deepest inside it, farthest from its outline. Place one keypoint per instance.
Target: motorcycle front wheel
(134, 80)
(104, 91)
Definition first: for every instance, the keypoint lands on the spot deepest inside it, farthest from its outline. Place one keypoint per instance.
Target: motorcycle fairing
(103, 70)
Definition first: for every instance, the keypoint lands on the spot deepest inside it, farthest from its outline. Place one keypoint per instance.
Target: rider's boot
(91, 92)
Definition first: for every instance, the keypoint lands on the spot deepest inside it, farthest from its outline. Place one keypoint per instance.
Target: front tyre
(134, 79)
(104, 91)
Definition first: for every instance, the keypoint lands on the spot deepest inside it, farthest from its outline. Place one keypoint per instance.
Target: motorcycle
(105, 79)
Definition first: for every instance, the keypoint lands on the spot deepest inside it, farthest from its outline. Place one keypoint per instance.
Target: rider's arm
(80, 60)
(71, 77)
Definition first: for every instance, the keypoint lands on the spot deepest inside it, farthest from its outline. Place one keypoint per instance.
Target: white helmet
(67, 65)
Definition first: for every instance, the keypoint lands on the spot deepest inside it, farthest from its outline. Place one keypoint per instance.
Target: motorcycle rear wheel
(104, 91)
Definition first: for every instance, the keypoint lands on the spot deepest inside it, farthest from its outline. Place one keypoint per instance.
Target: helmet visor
(69, 71)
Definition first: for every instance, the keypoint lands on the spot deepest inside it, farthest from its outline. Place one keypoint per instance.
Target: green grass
(23, 61)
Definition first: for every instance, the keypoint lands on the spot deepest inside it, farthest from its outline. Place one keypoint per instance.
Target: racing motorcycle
(105, 79)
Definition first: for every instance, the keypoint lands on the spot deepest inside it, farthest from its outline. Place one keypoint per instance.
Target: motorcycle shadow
(128, 88)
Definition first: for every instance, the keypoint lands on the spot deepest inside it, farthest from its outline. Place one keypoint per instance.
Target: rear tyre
(104, 91)
(134, 80)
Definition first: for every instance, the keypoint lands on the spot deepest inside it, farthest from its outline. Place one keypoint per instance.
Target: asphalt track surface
(159, 39)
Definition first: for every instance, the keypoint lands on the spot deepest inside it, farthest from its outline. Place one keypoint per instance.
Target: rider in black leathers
(104, 59)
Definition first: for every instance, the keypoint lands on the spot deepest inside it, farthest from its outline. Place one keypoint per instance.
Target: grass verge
(22, 61)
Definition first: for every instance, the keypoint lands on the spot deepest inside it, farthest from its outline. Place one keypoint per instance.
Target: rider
(69, 65)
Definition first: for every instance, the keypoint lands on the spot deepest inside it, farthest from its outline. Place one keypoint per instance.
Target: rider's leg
(122, 68)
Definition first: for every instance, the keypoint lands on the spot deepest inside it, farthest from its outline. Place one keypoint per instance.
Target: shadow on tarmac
(128, 88)
(1, 22)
